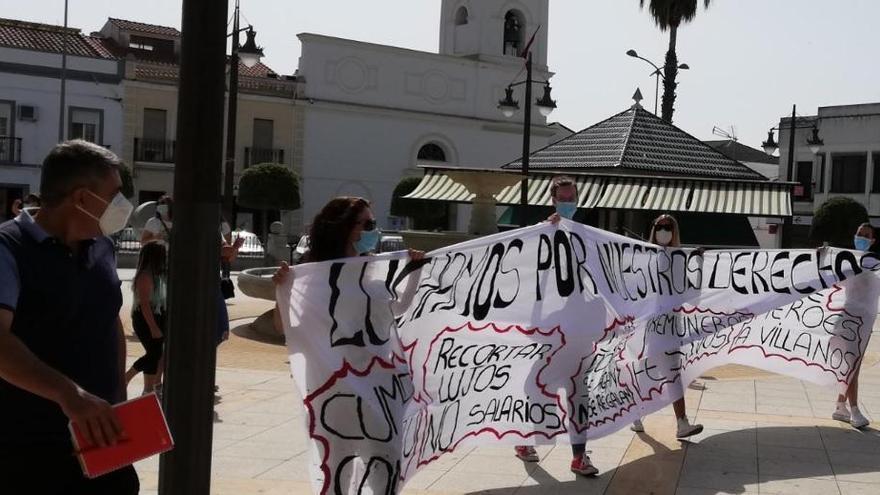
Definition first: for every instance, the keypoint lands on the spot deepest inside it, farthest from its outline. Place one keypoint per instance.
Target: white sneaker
(637, 426)
(857, 419)
(841, 413)
(685, 429)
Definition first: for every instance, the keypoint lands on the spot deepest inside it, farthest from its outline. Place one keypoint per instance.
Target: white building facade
(372, 113)
(848, 163)
(30, 91)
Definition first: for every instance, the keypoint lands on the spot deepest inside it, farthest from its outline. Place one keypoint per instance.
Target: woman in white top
(158, 228)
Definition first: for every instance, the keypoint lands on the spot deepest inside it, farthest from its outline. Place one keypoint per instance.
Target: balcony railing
(10, 150)
(154, 150)
(254, 156)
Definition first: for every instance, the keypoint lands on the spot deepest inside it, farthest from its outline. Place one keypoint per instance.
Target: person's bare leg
(149, 383)
(684, 428)
(679, 408)
(130, 374)
(853, 391)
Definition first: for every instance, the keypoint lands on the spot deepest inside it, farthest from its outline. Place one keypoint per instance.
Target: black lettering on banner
(499, 302)
(564, 284)
(641, 289)
(581, 260)
(849, 258)
(801, 258)
(741, 271)
(544, 246)
(481, 308)
(683, 257)
(358, 338)
(440, 432)
(756, 272)
(781, 257)
(714, 283)
(386, 485)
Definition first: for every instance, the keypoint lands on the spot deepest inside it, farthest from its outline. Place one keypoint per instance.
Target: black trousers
(55, 471)
(148, 363)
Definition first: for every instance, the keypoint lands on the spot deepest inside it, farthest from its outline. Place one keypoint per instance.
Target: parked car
(387, 244)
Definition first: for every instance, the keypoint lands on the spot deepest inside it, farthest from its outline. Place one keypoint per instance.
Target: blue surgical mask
(862, 243)
(368, 241)
(566, 209)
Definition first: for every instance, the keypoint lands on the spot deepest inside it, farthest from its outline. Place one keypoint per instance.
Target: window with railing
(10, 150)
(154, 150)
(255, 156)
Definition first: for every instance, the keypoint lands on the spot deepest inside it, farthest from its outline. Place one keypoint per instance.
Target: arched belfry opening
(514, 32)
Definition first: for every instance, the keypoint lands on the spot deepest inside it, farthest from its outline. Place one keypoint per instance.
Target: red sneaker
(526, 453)
(582, 465)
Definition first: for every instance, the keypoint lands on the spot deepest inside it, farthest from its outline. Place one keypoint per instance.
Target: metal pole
(527, 138)
(231, 118)
(195, 251)
(63, 77)
(656, 89)
(786, 223)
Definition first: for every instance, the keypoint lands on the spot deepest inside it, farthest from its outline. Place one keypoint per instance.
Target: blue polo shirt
(65, 307)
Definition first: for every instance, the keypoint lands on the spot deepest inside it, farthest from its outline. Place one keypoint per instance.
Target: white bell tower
(494, 30)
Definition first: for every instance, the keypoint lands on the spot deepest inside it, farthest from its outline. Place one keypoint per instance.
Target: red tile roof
(140, 27)
(49, 38)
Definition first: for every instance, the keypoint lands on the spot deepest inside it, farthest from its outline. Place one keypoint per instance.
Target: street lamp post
(249, 54)
(770, 146)
(508, 107)
(658, 73)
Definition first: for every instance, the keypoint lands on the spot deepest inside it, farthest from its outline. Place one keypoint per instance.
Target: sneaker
(583, 466)
(637, 426)
(857, 419)
(526, 453)
(841, 413)
(685, 429)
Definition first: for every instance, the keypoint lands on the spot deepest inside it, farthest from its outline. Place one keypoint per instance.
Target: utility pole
(194, 285)
(63, 77)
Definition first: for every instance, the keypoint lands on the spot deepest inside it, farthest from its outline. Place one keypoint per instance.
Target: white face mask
(664, 237)
(115, 216)
(162, 210)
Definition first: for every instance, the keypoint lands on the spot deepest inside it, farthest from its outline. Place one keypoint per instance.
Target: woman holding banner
(665, 233)
(864, 240)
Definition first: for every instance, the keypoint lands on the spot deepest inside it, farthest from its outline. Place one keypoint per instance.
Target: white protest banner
(546, 334)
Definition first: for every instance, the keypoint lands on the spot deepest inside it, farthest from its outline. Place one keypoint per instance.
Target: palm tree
(669, 14)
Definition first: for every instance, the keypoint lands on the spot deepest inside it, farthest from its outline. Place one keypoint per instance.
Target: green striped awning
(753, 198)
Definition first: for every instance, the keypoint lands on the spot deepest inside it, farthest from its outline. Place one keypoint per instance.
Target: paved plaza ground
(764, 434)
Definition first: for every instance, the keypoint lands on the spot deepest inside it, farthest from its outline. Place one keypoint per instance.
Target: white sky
(750, 59)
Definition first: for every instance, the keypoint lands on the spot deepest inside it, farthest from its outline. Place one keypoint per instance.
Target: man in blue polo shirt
(62, 350)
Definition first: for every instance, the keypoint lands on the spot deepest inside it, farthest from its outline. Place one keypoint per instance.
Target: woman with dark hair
(158, 228)
(345, 227)
(665, 233)
(148, 313)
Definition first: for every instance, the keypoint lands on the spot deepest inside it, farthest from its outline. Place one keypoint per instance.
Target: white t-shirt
(155, 227)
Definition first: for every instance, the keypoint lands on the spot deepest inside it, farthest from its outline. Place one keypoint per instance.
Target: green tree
(426, 214)
(669, 15)
(269, 186)
(836, 221)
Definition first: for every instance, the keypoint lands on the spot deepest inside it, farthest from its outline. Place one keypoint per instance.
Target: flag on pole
(525, 51)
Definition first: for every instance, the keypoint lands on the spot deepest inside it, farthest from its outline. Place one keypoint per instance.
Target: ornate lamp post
(509, 106)
(250, 55)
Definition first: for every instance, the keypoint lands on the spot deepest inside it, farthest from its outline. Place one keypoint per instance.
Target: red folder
(146, 434)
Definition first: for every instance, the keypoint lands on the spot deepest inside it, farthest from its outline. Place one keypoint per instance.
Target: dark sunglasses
(663, 227)
(368, 224)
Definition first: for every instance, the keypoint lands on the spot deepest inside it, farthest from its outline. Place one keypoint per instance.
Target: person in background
(30, 201)
(148, 313)
(158, 228)
(564, 196)
(864, 240)
(665, 233)
(62, 348)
